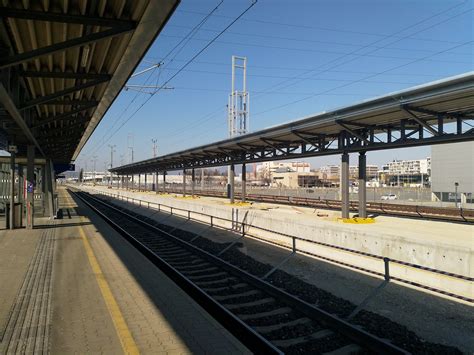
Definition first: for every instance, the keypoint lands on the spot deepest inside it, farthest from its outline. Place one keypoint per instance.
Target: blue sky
(303, 57)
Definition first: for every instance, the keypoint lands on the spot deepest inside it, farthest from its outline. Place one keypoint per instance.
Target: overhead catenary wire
(395, 35)
(357, 81)
(323, 28)
(191, 33)
(261, 45)
(306, 40)
(181, 69)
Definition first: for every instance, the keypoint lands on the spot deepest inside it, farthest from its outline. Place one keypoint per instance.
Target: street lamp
(456, 184)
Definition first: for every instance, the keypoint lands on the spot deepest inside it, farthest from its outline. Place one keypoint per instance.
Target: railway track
(390, 209)
(265, 318)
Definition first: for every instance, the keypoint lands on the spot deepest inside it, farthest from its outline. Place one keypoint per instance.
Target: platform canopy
(434, 113)
(63, 63)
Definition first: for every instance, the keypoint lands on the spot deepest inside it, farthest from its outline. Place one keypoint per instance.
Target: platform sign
(59, 168)
(30, 187)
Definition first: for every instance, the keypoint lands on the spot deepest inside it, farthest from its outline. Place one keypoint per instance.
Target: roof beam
(9, 61)
(63, 115)
(351, 131)
(50, 97)
(9, 105)
(64, 18)
(421, 121)
(71, 102)
(64, 75)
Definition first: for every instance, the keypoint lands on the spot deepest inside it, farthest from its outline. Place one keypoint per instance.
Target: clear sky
(303, 57)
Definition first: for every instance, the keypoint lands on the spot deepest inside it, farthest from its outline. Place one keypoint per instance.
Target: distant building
(406, 172)
(293, 179)
(272, 166)
(330, 174)
(451, 164)
(371, 172)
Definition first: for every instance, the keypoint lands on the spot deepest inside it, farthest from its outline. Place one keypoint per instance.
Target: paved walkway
(75, 286)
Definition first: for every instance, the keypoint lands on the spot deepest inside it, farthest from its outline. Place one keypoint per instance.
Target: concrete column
(231, 182)
(184, 182)
(156, 182)
(244, 182)
(164, 181)
(362, 185)
(193, 182)
(202, 180)
(12, 190)
(345, 185)
(30, 185)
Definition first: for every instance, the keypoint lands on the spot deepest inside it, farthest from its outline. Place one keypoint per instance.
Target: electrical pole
(238, 106)
(111, 146)
(130, 144)
(94, 159)
(154, 140)
(155, 175)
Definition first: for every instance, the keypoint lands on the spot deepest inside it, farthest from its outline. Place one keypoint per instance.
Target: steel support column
(145, 189)
(231, 182)
(30, 184)
(184, 182)
(362, 185)
(345, 185)
(244, 182)
(193, 182)
(49, 188)
(139, 182)
(164, 181)
(12, 190)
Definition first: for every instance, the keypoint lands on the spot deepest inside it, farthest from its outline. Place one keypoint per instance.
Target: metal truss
(420, 127)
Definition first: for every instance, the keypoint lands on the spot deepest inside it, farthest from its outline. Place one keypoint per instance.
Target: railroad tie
(238, 295)
(300, 340)
(250, 304)
(218, 289)
(271, 313)
(271, 328)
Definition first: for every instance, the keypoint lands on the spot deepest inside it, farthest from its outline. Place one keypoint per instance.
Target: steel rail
(247, 335)
(172, 210)
(353, 332)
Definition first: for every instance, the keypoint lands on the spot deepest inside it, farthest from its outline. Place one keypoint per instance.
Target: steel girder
(354, 137)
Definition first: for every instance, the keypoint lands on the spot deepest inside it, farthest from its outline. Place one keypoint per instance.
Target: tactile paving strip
(27, 329)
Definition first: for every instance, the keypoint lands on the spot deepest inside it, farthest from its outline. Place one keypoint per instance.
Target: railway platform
(72, 285)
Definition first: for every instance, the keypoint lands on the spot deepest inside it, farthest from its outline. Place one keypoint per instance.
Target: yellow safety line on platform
(128, 343)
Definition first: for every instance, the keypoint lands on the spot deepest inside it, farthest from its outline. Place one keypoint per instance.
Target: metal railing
(244, 230)
(406, 210)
